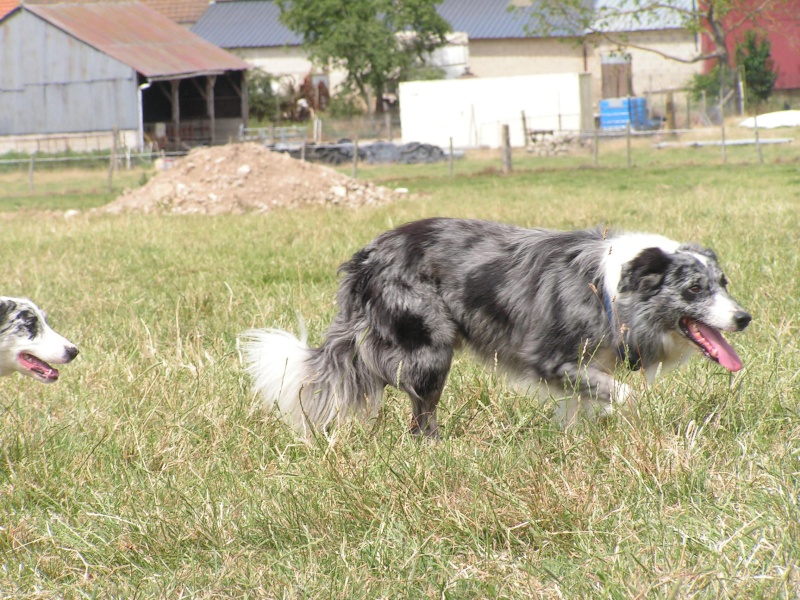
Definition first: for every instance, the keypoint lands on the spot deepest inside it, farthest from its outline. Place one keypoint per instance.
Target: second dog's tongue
(726, 355)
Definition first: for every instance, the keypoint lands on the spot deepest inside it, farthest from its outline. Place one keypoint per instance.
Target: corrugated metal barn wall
(52, 83)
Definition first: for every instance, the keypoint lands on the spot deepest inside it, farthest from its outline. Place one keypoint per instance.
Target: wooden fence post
(758, 140)
(30, 175)
(525, 129)
(506, 150)
(355, 159)
(111, 159)
(451, 157)
(722, 130)
(628, 142)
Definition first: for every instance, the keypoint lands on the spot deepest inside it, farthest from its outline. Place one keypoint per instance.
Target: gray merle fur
(535, 302)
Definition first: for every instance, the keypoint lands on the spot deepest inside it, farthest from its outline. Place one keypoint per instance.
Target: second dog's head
(28, 344)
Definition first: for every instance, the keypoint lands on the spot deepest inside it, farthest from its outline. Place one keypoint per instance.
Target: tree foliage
(712, 85)
(262, 100)
(754, 56)
(361, 37)
(753, 60)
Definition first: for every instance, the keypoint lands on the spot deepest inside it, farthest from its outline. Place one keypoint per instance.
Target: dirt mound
(241, 178)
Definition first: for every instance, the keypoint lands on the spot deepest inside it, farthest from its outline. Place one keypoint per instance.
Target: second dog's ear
(645, 272)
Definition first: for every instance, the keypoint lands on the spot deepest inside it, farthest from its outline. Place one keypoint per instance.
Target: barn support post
(212, 119)
(176, 111)
(245, 99)
(206, 91)
(241, 89)
(139, 91)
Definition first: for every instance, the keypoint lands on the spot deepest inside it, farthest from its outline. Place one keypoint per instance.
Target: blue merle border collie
(28, 344)
(557, 311)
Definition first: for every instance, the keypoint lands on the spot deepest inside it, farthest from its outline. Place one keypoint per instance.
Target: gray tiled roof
(256, 23)
(249, 24)
(492, 19)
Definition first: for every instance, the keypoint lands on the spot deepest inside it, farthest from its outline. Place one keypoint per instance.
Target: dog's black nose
(742, 319)
(72, 352)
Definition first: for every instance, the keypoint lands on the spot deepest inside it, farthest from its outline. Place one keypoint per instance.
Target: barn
(778, 22)
(91, 75)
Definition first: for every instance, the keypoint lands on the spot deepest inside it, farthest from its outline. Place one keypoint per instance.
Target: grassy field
(146, 472)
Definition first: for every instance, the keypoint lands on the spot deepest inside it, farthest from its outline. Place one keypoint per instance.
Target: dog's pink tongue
(38, 366)
(725, 353)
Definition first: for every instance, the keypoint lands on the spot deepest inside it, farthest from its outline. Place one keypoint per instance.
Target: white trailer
(471, 111)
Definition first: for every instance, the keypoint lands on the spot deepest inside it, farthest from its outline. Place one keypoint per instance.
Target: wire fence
(102, 175)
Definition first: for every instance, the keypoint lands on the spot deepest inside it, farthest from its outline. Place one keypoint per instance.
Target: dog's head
(28, 344)
(686, 292)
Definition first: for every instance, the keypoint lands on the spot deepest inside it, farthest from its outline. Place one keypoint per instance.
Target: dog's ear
(645, 272)
(6, 306)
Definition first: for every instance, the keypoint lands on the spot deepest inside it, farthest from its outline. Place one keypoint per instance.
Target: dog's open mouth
(37, 367)
(711, 343)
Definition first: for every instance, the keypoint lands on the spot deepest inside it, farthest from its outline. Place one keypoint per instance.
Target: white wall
(471, 111)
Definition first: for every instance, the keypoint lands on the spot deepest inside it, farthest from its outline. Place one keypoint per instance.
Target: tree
(262, 100)
(612, 20)
(361, 37)
(754, 57)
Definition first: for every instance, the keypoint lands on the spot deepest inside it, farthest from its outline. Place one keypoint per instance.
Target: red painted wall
(779, 21)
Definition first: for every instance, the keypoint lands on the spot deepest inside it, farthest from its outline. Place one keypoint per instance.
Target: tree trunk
(719, 37)
(378, 89)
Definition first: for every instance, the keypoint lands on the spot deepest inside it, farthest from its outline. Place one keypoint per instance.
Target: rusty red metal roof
(6, 6)
(185, 12)
(140, 37)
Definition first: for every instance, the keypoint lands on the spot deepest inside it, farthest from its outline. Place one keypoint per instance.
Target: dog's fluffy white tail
(308, 387)
(277, 363)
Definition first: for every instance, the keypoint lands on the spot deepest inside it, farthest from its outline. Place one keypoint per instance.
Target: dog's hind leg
(420, 372)
(424, 381)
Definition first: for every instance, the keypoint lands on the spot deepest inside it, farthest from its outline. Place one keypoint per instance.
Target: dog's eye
(694, 290)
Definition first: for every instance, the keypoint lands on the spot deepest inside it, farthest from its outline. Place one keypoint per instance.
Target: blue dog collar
(626, 354)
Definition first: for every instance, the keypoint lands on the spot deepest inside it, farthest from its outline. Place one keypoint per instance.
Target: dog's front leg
(594, 392)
